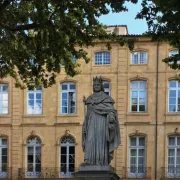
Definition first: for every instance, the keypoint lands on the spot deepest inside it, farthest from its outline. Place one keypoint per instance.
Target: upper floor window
(174, 52)
(173, 156)
(67, 156)
(33, 157)
(102, 58)
(139, 58)
(138, 96)
(171, 53)
(106, 85)
(174, 96)
(137, 156)
(68, 98)
(34, 101)
(3, 99)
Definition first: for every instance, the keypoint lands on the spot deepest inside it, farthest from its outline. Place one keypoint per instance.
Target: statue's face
(97, 87)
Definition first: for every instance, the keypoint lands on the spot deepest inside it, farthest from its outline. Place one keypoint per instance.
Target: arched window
(102, 58)
(137, 156)
(174, 96)
(3, 99)
(173, 156)
(139, 58)
(67, 156)
(68, 98)
(138, 96)
(33, 156)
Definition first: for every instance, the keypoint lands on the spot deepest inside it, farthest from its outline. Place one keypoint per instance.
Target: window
(137, 157)
(33, 157)
(106, 85)
(3, 99)
(138, 96)
(173, 156)
(3, 158)
(67, 156)
(34, 101)
(68, 98)
(171, 53)
(102, 58)
(174, 96)
(139, 58)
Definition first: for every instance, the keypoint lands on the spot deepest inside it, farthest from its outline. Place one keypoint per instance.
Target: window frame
(173, 89)
(171, 170)
(138, 90)
(171, 53)
(138, 60)
(67, 145)
(1, 101)
(34, 92)
(102, 58)
(3, 173)
(175, 52)
(34, 173)
(135, 174)
(68, 91)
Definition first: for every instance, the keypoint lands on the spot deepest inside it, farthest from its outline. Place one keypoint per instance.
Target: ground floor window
(33, 157)
(173, 156)
(67, 158)
(3, 158)
(137, 157)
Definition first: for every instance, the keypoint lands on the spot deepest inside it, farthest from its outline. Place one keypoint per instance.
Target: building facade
(40, 130)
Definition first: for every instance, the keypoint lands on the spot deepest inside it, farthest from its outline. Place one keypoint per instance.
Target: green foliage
(163, 18)
(37, 37)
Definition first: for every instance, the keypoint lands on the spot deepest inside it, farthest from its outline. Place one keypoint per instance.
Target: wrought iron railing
(137, 172)
(47, 172)
(170, 172)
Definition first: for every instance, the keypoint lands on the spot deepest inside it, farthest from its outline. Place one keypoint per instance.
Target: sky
(135, 26)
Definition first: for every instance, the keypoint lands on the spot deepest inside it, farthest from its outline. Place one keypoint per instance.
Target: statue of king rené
(100, 132)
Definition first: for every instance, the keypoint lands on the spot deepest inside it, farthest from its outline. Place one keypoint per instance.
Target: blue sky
(135, 26)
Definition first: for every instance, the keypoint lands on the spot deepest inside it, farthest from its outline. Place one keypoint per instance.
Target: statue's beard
(97, 90)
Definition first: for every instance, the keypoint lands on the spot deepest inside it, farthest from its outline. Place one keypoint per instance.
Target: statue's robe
(98, 140)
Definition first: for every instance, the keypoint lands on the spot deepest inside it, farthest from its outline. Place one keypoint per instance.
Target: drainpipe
(156, 124)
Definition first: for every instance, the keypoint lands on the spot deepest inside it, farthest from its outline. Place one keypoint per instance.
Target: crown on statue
(98, 80)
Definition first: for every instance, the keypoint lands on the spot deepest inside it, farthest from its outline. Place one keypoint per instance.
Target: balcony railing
(170, 172)
(46, 173)
(137, 172)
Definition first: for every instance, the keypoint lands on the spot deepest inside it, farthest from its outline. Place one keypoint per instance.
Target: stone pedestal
(90, 172)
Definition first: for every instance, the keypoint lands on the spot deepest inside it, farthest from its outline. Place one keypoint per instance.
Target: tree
(37, 37)
(163, 18)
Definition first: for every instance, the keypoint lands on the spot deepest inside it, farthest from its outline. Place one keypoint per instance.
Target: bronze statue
(100, 132)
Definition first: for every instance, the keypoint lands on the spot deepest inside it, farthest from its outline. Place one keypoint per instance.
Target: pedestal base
(90, 172)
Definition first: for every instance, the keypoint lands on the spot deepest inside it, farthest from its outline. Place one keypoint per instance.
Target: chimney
(117, 29)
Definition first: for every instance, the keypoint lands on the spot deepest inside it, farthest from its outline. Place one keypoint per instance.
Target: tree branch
(23, 27)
